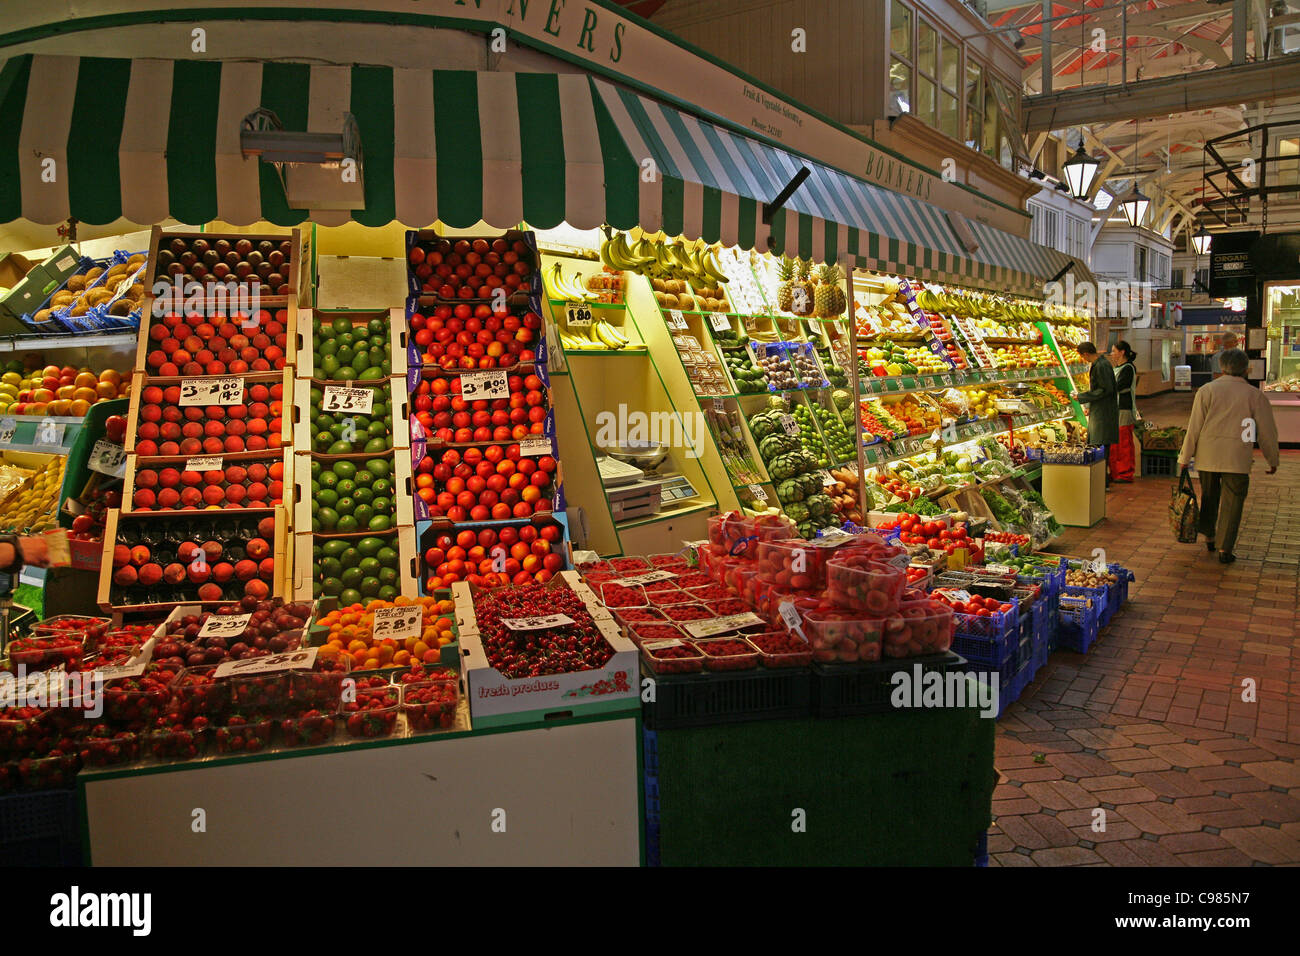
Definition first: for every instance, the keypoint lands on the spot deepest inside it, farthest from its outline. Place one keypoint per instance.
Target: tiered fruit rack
(433, 528)
(312, 545)
(160, 384)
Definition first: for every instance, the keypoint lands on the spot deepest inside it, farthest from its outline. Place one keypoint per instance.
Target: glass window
(925, 102)
(927, 49)
(948, 66)
(900, 30)
(900, 86)
(949, 122)
(974, 103)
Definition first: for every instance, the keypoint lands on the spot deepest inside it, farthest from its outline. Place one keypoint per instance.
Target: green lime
(316, 468)
(347, 524)
(317, 591)
(369, 566)
(346, 505)
(362, 361)
(326, 519)
(377, 444)
(317, 552)
(328, 347)
(350, 557)
(382, 486)
(362, 514)
(363, 496)
(387, 576)
(377, 327)
(381, 522)
(344, 355)
(350, 596)
(345, 374)
(363, 477)
(345, 487)
(379, 467)
(378, 427)
(351, 577)
(345, 469)
(334, 549)
(340, 448)
(328, 479)
(382, 506)
(329, 364)
(370, 374)
(323, 423)
(341, 324)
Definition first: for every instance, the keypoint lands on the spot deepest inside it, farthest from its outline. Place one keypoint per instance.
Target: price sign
(107, 459)
(676, 320)
(7, 428)
(398, 623)
(790, 617)
(303, 659)
(49, 433)
(490, 384)
(340, 398)
(577, 313)
(720, 322)
(204, 463)
(650, 577)
(831, 538)
(872, 455)
(224, 625)
(957, 594)
(131, 669)
(661, 645)
(827, 478)
(536, 623)
(721, 625)
(536, 445)
(751, 324)
(790, 425)
(946, 379)
(212, 391)
(758, 492)
(719, 406)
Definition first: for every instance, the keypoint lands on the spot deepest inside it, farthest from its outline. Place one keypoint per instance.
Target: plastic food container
(667, 599)
(666, 585)
(41, 652)
(593, 566)
(614, 595)
(25, 730)
(122, 747)
(134, 707)
(90, 629)
(802, 601)
(672, 657)
(598, 577)
(737, 578)
(781, 649)
(260, 694)
(430, 705)
(177, 743)
(668, 562)
(319, 688)
(629, 616)
(927, 628)
(725, 607)
(632, 565)
(114, 655)
(727, 653)
(650, 633)
(132, 635)
(844, 637)
(197, 693)
(708, 592)
(242, 735)
(373, 713)
(312, 729)
(794, 565)
(693, 579)
(688, 612)
(56, 771)
(855, 581)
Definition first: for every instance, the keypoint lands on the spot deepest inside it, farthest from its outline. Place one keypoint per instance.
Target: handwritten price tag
(721, 625)
(720, 322)
(224, 625)
(719, 406)
(790, 616)
(827, 478)
(303, 659)
(661, 645)
(536, 623)
(676, 320)
(340, 398)
(212, 391)
(757, 492)
(538, 445)
(398, 623)
(107, 459)
(7, 428)
(204, 463)
(790, 426)
(490, 384)
(49, 433)
(577, 314)
(650, 577)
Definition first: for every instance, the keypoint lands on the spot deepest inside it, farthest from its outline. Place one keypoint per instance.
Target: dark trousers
(1223, 493)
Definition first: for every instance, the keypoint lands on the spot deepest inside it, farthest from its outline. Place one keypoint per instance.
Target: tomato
(945, 535)
(934, 544)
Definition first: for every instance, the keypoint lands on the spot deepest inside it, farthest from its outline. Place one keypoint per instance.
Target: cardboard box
(13, 268)
(496, 701)
(297, 279)
(301, 417)
(134, 462)
(140, 381)
(428, 531)
(114, 524)
(152, 313)
(302, 355)
(304, 568)
(401, 477)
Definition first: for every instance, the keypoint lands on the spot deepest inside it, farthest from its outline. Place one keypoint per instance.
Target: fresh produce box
(350, 631)
(493, 482)
(507, 683)
(180, 644)
(101, 293)
(842, 636)
(469, 269)
(493, 554)
(445, 339)
(863, 579)
(172, 417)
(215, 339)
(773, 359)
(339, 347)
(246, 480)
(277, 264)
(672, 656)
(441, 415)
(354, 497)
(153, 562)
(351, 570)
(337, 420)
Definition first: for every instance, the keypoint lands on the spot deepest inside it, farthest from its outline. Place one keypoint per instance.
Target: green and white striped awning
(713, 183)
(104, 139)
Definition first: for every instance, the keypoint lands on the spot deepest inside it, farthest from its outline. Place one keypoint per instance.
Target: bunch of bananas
(565, 287)
(697, 265)
(599, 336)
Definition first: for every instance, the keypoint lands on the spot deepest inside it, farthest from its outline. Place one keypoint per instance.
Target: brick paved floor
(1150, 726)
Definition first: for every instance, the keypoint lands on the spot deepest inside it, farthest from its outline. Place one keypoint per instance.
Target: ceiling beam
(1222, 86)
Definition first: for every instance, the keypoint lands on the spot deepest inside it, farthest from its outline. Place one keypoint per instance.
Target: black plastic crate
(698, 700)
(853, 689)
(1161, 464)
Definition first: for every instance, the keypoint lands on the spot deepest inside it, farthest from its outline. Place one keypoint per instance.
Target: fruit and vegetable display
(253, 423)
(840, 443)
(33, 506)
(730, 438)
(747, 377)
(885, 359)
(350, 634)
(793, 469)
(257, 483)
(684, 275)
(180, 560)
(444, 416)
(116, 286)
(353, 496)
(454, 270)
(272, 628)
(1086, 577)
(351, 432)
(493, 482)
(58, 390)
(807, 369)
(773, 359)
(490, 557)
(209, 259)
(536, 652)
(182, 343)
(345, 348)
(352, 570)
(464, 336)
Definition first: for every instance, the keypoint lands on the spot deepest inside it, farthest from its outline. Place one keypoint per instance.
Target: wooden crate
(303, 354)
(403, 514)
(136, 462)
(304, 571)
(280, 552)
(145, 344)
(297, 279)
(301, 416)
(140, 381)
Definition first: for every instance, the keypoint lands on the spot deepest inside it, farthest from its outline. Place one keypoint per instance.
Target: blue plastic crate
(994, 650)
(1100, 602)
(1078, 628)
(650, 746)
(1118, 593)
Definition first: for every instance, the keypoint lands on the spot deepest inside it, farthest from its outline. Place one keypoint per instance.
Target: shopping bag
(1184, 514)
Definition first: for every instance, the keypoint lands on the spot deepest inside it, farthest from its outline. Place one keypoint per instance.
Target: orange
(85, 380)
(111, 375)
(106, 390)
(85, 394)
(65, 391)
(79, 408)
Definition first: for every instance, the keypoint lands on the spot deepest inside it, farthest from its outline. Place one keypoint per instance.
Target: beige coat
(1218, 422)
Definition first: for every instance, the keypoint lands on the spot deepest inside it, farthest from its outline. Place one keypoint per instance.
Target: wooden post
(856, 387)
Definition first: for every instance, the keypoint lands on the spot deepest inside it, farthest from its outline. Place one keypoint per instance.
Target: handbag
(1184, 513)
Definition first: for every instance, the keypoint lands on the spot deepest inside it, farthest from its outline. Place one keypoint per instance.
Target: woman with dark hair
(1120, 459)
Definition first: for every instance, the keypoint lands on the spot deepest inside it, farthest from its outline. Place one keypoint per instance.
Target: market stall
(1282, 358)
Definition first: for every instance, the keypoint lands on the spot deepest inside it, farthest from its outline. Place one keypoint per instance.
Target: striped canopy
(100, 139)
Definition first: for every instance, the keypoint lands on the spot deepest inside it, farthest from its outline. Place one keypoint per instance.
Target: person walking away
(1120, 457)
(1218, 440)
(1103, 408)
(1228, 340)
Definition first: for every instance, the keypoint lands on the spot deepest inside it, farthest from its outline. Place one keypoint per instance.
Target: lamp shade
(1201, 241)
(1080, 170)
(1134, 206)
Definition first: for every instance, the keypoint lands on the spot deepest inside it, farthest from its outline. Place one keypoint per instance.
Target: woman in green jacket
(1103, 407)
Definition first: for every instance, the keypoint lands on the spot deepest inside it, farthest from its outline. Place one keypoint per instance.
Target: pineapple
(802, 295)
(839, 302)
(785, 286)
(823, 304)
